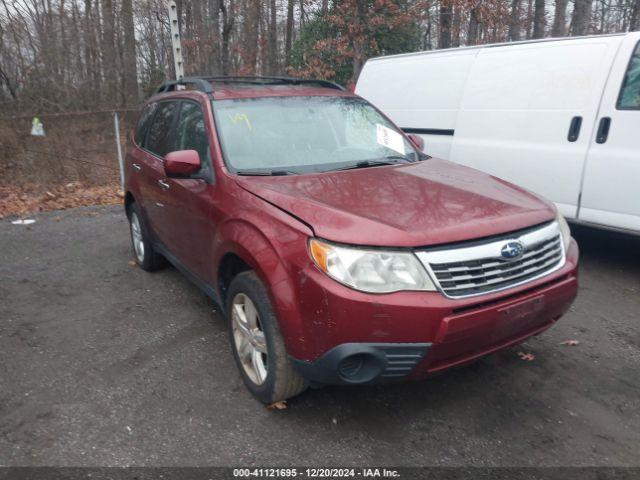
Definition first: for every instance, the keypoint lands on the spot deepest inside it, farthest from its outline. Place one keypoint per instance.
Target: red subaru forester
(340, 253)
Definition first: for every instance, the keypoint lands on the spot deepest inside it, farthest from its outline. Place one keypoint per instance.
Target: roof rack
(198, 82)
(203, 84)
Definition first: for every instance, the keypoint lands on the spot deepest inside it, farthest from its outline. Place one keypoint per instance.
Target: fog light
(360, 368)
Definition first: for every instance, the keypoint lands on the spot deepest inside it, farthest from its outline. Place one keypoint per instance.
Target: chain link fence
(77, 147)
(74, 164)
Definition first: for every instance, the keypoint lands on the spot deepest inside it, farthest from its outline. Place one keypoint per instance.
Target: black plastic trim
(429, 131)
(385, 362)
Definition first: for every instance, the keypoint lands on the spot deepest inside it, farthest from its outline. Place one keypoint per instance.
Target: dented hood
(426, 203)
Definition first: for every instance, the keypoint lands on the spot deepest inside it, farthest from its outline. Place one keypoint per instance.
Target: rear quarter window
(629, 98)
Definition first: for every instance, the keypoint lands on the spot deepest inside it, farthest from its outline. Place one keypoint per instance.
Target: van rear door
(611, 186)
(529, 110)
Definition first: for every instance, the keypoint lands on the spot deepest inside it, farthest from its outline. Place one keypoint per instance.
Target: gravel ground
(104, 364)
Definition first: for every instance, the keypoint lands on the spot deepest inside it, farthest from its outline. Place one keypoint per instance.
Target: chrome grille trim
(468, 271)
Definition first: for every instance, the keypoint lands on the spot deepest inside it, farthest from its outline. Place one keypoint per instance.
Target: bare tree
(581, 19)
(130, 70)
(474, 25)
(273, 39)
(559, 19)
(288, 42)
(634, 23)
(539, 19)
(446, 12)
(107, 48)
(514, 21)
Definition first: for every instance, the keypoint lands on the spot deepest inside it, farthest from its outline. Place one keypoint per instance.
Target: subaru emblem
(512, 250)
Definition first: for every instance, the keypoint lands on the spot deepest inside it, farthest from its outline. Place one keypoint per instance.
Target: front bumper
(358, 338)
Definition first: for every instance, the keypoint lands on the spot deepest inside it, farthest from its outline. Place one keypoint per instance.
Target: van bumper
(367, 339)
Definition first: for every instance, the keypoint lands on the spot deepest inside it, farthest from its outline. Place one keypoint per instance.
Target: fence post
(116, 126)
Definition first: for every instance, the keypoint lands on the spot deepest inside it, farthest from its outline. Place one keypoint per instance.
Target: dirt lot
(104, 364)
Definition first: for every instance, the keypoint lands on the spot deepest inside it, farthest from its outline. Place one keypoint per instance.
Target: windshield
(285, 135)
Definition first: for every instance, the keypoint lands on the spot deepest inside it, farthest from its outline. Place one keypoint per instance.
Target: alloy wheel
(249, 339)
(136, 236)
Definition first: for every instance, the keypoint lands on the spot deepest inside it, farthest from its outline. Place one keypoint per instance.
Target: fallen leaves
(20, 200)
(529, 357)
(279, 405)
(570, 343)
(132, 263)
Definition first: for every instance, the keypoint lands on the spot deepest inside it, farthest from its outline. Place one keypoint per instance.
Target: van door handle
(163, 185)
(136, 167)
(574, 129)
(603, 130)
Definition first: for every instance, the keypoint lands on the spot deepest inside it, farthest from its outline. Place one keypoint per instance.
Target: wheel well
(128, 201)
(230, 266)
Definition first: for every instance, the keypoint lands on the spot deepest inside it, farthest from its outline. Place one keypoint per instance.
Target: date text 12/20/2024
(315, 472)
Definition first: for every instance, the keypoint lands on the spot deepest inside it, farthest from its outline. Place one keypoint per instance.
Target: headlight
(564, 230)
(368, 270)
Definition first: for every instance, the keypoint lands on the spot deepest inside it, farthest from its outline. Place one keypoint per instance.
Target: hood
(427, 203)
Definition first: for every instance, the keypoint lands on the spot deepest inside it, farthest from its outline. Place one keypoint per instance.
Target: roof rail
(275, 80)
(203, 84)
(198, 82)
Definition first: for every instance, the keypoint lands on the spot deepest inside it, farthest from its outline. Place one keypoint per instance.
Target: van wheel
(146, 257)
(256, 342)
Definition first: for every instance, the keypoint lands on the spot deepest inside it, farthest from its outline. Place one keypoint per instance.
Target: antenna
(175, 40)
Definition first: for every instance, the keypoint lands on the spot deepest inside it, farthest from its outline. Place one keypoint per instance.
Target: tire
(280, 380)
(145, 256)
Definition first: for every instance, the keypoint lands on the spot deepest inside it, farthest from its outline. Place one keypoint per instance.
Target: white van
(560, 117)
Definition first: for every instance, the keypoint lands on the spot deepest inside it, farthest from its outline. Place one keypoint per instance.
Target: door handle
(574, 129)
(136, 167)
(164, 185)
(603, 130)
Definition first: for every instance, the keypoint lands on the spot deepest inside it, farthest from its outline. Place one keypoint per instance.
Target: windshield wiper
(266, 172)
(390, 160)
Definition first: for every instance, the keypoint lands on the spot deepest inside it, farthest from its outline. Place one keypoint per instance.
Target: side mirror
(181, 163)
(417, 141)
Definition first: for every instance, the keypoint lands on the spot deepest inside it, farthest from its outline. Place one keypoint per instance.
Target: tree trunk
(273, 39)
(214, 28)
(474, 26)
(130, 70)
(529, 24)
(634, 23)
(514, 22)
(359, 56)
(109, 51)
(251, 26)
(560, 19)
(288, 41)
(446, 12)
(581, 17)
(456, 26)
(539, 19)
(228, 18)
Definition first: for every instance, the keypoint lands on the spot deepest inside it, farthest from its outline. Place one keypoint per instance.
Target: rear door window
(143, 123)
(159, 139)
(629, 98)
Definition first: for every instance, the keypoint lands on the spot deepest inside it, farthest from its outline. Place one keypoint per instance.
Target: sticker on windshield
(390, 139)
(241, 117)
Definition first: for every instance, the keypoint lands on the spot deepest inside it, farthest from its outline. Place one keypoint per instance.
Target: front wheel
(257, 344)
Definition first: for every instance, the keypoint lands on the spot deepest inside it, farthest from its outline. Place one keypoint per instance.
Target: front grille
(478, 269)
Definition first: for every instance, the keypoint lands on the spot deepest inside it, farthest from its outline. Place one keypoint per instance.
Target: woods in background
(59, 55)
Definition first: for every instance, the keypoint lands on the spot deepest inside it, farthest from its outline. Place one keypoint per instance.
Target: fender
(259, 240)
